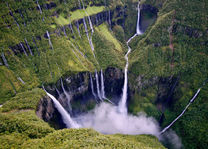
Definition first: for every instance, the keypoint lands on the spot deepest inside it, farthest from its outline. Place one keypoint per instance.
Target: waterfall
(64, 31)
(49, 39)
(28, 47)
(90, 40)
(59, 94)
(98, 85)
(23, 49)
(102, 85)
(138, 31)
(20, 79)
(66, 117)
(109, 18)
(77, 24)
(67, 96)
(92, 86)
(4, 59)
(122, 104)
(39, 7)
(91, 27)
(192, 100)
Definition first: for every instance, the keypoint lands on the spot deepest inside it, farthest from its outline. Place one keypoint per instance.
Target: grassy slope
(21, 128)
(47, 65)
(189, 61)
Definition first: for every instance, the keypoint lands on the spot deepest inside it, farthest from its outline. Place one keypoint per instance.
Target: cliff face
(79, 89)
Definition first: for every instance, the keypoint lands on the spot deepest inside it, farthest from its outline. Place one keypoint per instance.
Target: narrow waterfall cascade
(77, 24)
(122, 104)
(138, 31)
(70, 123)
(49, 39)
(191, 101)
(64, 31)
(28, 46)
(23, 49)
(92, 86)
(98, 86)
(20, 79)
(67, 95)
(4, 59)
(102, 85)
(91, 27)
(109, 18)
(59, 94)
(39, 7)
(70, 26)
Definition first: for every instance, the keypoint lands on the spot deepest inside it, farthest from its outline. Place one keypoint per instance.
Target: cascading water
(64, 31)
(67, 96)
(66, 117)
(122, 104)
(77, 24)
(28, 46)
(49, 39)
(109, 18)
(91, 27)
(102, 85)
(192, 100)
(4, 59)
(23, 49)
(138, 31)
(92, 86)
(98, 85)
(39, 7)
(20, 79)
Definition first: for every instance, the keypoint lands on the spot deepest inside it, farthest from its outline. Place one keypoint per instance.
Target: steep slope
(169, 64)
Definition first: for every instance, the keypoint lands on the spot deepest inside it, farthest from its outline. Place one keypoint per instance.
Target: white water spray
(70, 123)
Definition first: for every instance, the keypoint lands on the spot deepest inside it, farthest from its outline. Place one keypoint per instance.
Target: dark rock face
(47, 111)
(191, 32)
(79, 90)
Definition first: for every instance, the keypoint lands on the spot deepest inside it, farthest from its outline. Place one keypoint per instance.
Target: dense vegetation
(175, 46)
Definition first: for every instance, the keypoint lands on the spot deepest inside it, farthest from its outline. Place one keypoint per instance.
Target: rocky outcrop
(78, 89)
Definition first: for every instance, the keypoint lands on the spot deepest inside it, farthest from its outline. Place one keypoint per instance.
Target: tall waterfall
(91, 27)
(49, 39)
(98, 86)
(39, 7)
(4, 59)
(102, 85)
(192, 100)
(66, 117)
(122, 104)
(23, 49)
(138, 31)
(28, 46)
(92, 86)
(67, 95)
(77, 24)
